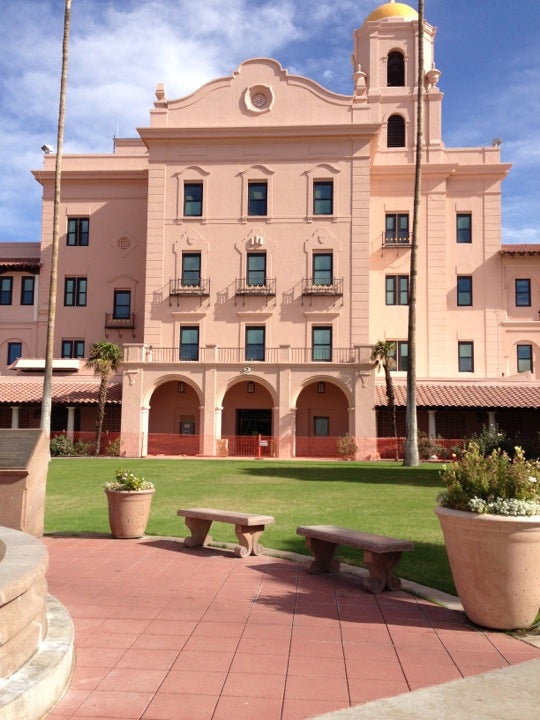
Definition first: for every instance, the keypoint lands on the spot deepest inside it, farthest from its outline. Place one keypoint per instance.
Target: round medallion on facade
(259, 98)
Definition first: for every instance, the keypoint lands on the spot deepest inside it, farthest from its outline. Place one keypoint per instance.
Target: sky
(486, 50)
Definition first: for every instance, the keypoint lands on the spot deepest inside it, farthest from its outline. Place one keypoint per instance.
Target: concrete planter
(129, 511)
(495, 563)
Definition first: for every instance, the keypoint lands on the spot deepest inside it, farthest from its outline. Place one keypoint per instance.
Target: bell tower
(385, 59)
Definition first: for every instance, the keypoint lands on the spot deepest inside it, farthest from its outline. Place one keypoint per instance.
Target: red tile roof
(508, 395)
(20, 263)
(20, 391)
(524, 249)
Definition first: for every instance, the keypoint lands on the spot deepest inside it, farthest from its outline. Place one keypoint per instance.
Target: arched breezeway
(174, 420)
(322, 415)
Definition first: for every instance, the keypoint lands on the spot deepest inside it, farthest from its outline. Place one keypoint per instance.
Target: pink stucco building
(250, 246)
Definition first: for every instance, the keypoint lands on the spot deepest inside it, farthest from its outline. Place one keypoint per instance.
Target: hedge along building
(252, 244)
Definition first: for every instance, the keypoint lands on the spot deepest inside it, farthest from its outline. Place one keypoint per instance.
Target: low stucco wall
(23, 598)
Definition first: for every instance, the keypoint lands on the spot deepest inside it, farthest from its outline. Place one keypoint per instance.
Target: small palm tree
(104, 359)
(383, 354)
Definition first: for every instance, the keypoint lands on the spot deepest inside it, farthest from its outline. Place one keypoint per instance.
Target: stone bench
(381, 553)
(248, 528)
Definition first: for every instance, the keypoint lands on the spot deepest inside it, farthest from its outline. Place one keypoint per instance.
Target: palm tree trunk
(411, 443)
(46, 403)
(103, 386)
(391, 405)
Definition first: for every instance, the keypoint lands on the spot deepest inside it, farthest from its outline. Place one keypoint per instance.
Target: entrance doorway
(254, 422)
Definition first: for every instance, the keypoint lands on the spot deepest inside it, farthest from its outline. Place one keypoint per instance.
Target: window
(321, 426)
(464, 290)
(466, 357)
(6, 290)
(397, 228)
(14, 352)
(523, 292)
(524, 358)
(395, 131)
(256, 269)
(255, 343)
(189, 343)
(72, 348)
(463, 228)
(257, 198)
(27, 290)
(323, 271)
(122, 305)
(400, 355)
(77, 233)
(321, 344)
(193, 197)
(395, 69)
(75, 289)
(323, 197)
(191, 269)
(397, 289)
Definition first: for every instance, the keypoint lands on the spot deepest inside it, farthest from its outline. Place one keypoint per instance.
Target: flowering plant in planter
(126, 480)
(493, 484)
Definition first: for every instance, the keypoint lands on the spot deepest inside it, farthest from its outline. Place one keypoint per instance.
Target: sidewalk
(166, 633)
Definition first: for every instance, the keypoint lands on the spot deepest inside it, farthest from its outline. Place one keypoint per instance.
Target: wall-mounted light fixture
(321, 387)
(182, 387)
(251, 387)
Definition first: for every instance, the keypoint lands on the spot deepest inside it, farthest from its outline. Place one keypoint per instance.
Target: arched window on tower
(395, 133)
(395, 69)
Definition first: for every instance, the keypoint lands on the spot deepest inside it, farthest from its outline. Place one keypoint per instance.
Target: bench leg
(323, 553)
(248, 537)
(381, 566)
(199, 532)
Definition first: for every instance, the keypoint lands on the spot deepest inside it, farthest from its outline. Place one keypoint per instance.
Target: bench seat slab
(248, 528)
(381, 554)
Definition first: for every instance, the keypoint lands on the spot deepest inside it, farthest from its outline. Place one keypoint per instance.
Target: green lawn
(382, 497)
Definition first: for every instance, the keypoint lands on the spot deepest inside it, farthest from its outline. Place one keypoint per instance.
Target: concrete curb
(510, 693)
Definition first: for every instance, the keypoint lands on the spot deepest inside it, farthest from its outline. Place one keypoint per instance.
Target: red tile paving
(167, 633)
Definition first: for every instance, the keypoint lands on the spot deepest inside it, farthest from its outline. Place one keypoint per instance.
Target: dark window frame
(27, 294)
(78, 232)
(193, 199)
(75, 291)
(397, 289)
(524, 356)
(464, 234)
(323, 276)
(465, 361)
(321, 422)
(257, 206)
(120, 306)
(256, 276)
(323, 205)
(12, 352)
(464, 291)
(255, 350)
(523, 294)
(189, 349)
(321, 351)
(396, 227)
(6, 290)
(191, 277)
(73, 349)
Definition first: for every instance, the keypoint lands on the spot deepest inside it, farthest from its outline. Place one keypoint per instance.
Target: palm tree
(46, 403)
(104, 358)
(383, 354)
(411, 456)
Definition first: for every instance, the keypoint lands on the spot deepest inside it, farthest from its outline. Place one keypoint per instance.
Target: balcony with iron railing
(315, 286)
(283, 355)
(399, 239)
(185, 286)
(248, 286)
(113, 322)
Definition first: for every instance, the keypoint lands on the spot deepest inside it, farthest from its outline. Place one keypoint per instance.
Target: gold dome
(393, 9)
